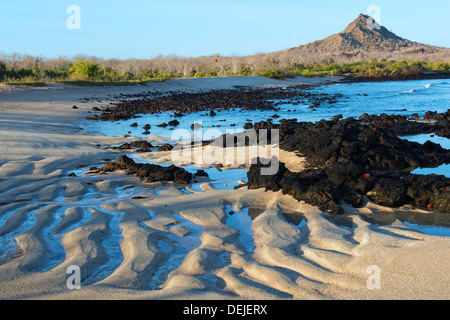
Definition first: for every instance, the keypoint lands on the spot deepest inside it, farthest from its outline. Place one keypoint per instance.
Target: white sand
(174, 241)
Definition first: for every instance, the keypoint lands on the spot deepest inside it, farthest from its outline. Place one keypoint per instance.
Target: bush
(2, 70)
(439, 66)
(244, 72)
(84, 70)
(199, 75)
(277, 74)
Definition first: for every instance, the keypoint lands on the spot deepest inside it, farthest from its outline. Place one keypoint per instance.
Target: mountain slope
(360, 41)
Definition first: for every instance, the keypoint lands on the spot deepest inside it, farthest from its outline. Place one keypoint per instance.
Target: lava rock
(149, 172)
(388, 192)
(166, 147)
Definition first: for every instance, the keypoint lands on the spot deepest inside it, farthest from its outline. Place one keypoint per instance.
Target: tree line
(24, 68)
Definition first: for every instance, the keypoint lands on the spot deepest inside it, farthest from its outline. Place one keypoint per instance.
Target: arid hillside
(362, 40)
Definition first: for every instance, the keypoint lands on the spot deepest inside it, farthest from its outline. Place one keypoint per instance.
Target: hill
(364, 39)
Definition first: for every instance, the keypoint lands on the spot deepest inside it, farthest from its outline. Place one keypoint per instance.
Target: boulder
(388, 192)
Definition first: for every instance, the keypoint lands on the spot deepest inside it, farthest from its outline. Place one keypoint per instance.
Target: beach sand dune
(135, 240)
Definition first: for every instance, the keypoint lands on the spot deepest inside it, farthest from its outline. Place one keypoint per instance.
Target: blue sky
(147, 28)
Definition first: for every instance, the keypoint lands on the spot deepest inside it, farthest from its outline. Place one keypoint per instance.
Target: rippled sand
(175, 242)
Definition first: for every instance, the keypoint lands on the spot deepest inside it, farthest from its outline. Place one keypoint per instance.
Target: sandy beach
(135, 240)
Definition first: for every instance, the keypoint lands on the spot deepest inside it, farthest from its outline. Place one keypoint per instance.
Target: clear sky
(147, 28)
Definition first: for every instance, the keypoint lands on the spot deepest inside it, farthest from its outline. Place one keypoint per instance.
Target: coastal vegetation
(32, 71)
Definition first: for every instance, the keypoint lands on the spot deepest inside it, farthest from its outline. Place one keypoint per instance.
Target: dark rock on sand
(143, 150)
(352, 160)
(166, 147)
(350, 141)
(388, 192)
(327, 187)
(432, 192)
(256, 180)
(135, 144)
(141, 144)
(149, 172)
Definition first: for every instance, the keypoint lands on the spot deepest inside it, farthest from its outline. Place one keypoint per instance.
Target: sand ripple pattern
(167, 241)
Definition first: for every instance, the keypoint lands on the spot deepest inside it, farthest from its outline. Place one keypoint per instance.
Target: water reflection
(433, 223)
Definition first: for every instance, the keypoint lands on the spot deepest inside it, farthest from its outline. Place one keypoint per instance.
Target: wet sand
(173, 242)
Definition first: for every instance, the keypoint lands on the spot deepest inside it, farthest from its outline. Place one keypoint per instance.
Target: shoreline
(436, 76)
(319, 260)
(328, 79)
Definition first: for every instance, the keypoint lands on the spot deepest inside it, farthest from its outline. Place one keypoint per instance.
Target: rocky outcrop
(216, 101)
(328, 187)
(142, 144)
(348, 160)
(149, 172)
(432, 122)
(351, 141)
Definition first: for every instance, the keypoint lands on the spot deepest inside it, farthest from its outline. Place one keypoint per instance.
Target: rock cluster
(350, 141)
(327, 187)
(149, 172)
(432, 122)
(349, 160)
(215, 101)
(141, 144)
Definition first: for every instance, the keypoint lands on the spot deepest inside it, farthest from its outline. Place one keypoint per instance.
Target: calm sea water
(382, 97)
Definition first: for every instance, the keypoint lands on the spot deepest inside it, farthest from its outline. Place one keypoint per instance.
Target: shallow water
(444, 142)
(223, 180)
(382, 97)
(184, 245)
(242, 222)
(435, 224)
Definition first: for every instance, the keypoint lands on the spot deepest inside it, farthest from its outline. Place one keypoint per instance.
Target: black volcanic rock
(256, 180)
(350, 160)
(388, 192)
(213, 101)
(166, 147)
(404, 126)
(149, 172)
(350, 141)
(135, 144)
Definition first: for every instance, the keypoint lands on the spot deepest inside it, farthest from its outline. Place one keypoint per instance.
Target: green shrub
(277, 74)
(84, 70)
(2, 70)
(244, 72)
